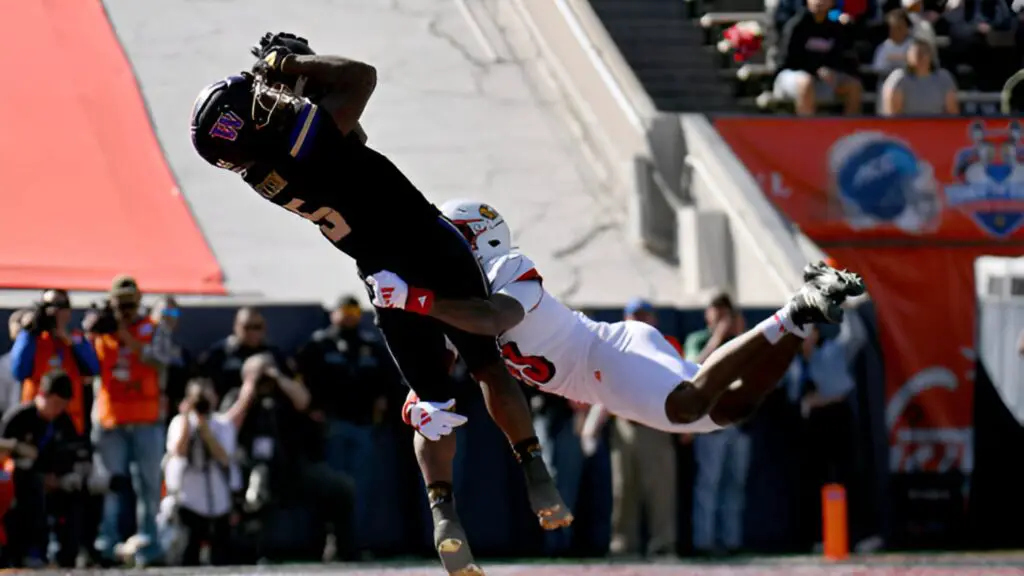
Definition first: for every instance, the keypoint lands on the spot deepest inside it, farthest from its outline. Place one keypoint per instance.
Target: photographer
(200, 450)
(132, 350)
(46, 344)
(223, 361)
(51, 474)
(282, 463)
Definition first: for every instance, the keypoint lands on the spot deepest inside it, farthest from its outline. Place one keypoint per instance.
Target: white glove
(433, 419)
(389, 290)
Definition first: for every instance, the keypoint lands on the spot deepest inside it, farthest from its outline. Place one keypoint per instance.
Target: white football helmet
(483, 227)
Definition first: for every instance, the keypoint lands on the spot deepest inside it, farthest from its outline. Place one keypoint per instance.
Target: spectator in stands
(47, 344)
(984, 32)
(280, 466)
(48, 447)
(892, 53)
(816, 63)
(10, 387)
(723, 457)
(343, 367)
(176, 374)
(643, 475)
(819, 381)
(200, 455)
(920, 87)
(222, 363)
(132, 351)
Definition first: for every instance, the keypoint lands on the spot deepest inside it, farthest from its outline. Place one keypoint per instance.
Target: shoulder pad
(369, 336)
(510, 268)
(321, 335)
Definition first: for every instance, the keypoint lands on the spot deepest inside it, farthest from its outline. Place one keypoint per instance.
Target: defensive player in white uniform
(628, 367)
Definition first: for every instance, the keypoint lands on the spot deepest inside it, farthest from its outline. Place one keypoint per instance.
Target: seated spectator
(815, 62)
(920, 87)
(280, 465)
(222, 363)
(48, 448)
(200, 452)
(984, 32)
(892, 53)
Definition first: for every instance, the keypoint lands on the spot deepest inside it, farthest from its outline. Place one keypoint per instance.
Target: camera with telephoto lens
(43, 318)
(100, 319)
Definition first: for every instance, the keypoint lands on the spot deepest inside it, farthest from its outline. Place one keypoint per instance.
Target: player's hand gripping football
(433, 419)
(390, 291)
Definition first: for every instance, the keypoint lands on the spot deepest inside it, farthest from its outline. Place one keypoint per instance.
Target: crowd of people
(917, 56)
(121, 447)
(118, 418)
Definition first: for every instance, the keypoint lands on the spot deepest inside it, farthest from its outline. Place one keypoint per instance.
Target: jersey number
(532, 370)
(332, 225)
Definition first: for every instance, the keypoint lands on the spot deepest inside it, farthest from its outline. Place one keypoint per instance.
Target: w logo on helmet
(488, 212)
(227, 126)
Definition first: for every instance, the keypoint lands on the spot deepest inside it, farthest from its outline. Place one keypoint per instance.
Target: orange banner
(909, 204)
(843, 179)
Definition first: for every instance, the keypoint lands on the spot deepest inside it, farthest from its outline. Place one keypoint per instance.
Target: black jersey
(361, 201)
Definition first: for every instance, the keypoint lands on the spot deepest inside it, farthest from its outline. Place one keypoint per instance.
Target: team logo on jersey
(988, 179)
(227, 126)
(271, 185)
(488, 212)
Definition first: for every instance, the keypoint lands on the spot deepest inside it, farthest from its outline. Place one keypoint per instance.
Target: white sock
(780, 324)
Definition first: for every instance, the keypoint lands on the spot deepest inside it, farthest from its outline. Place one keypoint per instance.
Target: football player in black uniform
(290, 128)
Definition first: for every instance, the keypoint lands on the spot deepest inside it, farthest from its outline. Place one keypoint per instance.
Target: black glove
(294, 44)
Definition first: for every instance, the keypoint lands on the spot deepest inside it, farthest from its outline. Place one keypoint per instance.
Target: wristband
(411, 399)
(419, 300)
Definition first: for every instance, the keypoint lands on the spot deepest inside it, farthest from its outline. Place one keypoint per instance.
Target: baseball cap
(638, 305)
(124, 285)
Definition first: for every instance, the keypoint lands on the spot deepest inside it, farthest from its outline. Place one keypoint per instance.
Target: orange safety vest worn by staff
(50, 353)
(130, 389)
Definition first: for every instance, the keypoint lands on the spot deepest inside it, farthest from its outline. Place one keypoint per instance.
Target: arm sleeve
(86, 355)
(23, 355)
(528, 293)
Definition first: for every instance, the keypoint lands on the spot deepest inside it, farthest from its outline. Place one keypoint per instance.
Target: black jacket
(809, 45)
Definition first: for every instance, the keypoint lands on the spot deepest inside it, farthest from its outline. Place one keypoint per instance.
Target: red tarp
(86, 191)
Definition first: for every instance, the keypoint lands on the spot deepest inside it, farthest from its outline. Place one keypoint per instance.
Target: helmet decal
(227, 126)
(488, 212)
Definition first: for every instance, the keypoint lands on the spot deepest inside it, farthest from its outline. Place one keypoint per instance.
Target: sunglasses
(171, 312)
(252, 327)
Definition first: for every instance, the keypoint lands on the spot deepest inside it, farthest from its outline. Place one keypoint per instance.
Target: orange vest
(51, 353)
(129, 389)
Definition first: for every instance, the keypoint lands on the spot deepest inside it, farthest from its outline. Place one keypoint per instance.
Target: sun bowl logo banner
(879, 179)
(988, 179)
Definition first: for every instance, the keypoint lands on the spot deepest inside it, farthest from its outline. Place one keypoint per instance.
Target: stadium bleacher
(752, 78)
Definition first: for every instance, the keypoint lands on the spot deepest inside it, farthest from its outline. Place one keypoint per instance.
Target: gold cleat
(554, 517)
(453, 549)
